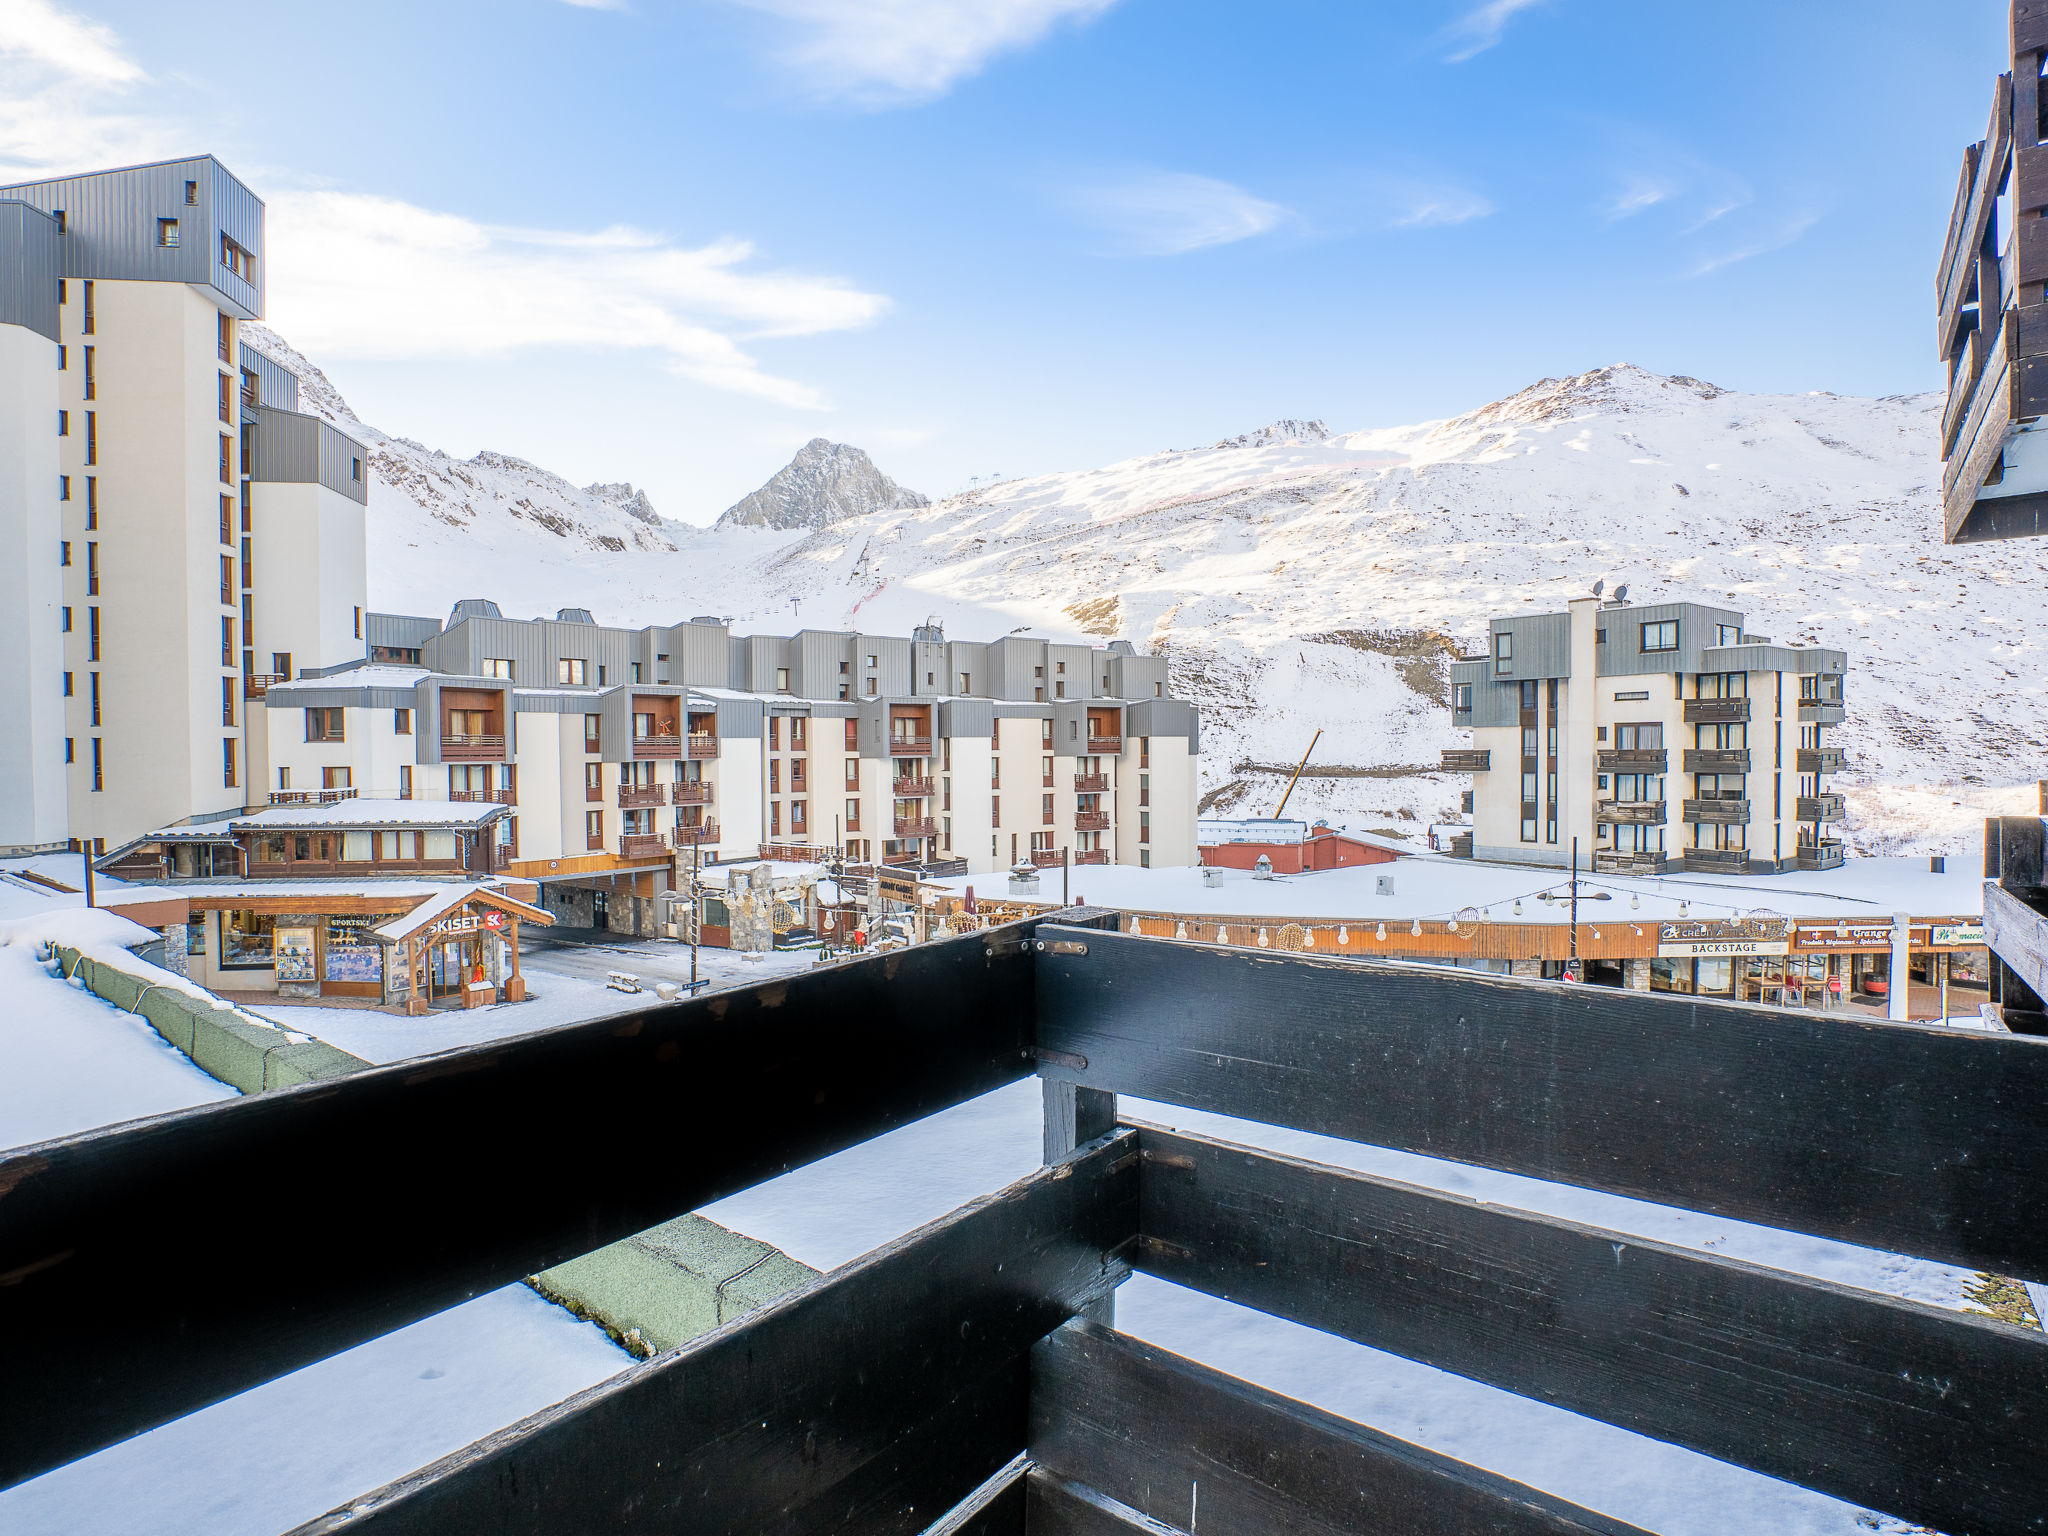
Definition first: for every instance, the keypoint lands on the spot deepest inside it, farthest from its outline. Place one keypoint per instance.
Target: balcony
(1819, 760)
(708, 833)
(1819, 807)
(1467, 760)
(638, 796)
(1812, 712)
(913, 827)
(256, 684)
(1092, 856)
(1461, 846)
(914, 786)
(1091, 821)
(1091, 783)
(1633, 760)
(1631, 813)
(690, 792)
(1726, 861)
(1465, 802)
(642, 845)
(1822, 855)
(1712, 812)
(1105, 746)
(1718, 760)
(703, 744)
(1618, 862)
(1715, 711)
(505, 794)
(910, 746)
(645, 747)
(472, 749)
(472, 796)
(311, 796)
(1047, 858)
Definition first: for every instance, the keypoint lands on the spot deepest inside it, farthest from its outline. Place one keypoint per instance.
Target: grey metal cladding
(1772, 658)
(874, 726)
(1622, 655)
(275, 384)
(1137, 677)
(28, 268)
(742, 718)
(112, 226)
(703, 649)
(971, 659)
(967, 717)
(892, 663)
(404, 630)
(1069, 727)
(378, 696)
(815, 673)
(1539, 647)
(290, 448)
(1496, 704)
(1165, 717)
(1078, 674)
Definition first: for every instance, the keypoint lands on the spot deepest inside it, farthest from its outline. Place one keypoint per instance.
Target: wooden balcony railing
(914, 786)
(692, 792)
(1819, 760)
(1105, 746)
(1631, 813)
(707, 833)
(1819, 808)
(910, 746)
(1091, 783)
(256, 684)
(1807, 1122)
(1091, 821)
(1467, 760)
(1047, 858)
(642, 845)
(1715, 711)
(1617, 862)
(1723, 812)
(472, 749)
(1732, 861)
(657, 747)
(1632, 759)
(1826, 854)
(1717, 760)
(311, 796)
(471, 796)
(639, 796)
(1092, 856)
(702, 744)
(916, 827)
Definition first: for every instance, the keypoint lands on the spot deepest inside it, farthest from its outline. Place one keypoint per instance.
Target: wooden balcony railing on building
(707, 833)
(907, 826)
(692, 792)
(1631, 759)
(256, 684)
(910, 746)
(1091, 783)
(642, 845)
(1819, 760)
(1723, 812)
(1465, 801)
(311, 796)
(1631, 813)
(657, 747)
(1715, 711)
(1092, 856)
(1732, 861)
(1047, 858)
(703, 744)
(1091, 821)
(472, 749)
(914, 786)
(961, 1362)
(1461, 846)
(1819, 808)
(1105, 746)
(1466, 760)
(639, 796)
(505, 794)
(1615, 861)
(1717, 760)
(1826, 854)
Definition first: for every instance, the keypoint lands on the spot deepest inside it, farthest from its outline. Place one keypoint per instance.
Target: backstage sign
(1717, 940)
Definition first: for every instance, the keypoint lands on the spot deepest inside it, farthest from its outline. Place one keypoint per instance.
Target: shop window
(247, 941)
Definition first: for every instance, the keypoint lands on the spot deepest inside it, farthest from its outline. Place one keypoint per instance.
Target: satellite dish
(1599, 586)
(1621, 593)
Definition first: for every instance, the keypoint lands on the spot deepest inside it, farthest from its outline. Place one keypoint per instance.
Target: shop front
(303, 948)
(460, 950)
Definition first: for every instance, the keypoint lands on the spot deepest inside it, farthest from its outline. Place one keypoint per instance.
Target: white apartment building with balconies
(1654, 737)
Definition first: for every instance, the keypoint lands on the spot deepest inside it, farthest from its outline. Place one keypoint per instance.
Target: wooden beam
(1959, 211)
(450, 1176)
(1199, 1450)
(2019, 935)
(1054, 1507)
(1917, 1140)
(1989, 177)
(874, 1399)
(1924, 1413)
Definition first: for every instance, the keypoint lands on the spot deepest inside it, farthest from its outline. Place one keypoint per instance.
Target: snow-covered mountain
(825, 483)
(1299, 580)
(1284, 433)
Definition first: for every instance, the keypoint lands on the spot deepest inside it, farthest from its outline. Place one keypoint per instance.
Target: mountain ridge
(825, 483)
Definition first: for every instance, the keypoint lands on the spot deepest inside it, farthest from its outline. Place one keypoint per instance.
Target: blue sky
(667, 241)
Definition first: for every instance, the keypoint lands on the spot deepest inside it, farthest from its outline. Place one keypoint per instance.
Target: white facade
(32, 774)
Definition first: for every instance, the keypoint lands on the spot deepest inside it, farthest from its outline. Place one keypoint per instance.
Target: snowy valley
(1299, 579)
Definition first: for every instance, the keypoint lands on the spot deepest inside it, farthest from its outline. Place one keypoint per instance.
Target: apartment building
(1656, 737)
(146, 478)
(621, 750)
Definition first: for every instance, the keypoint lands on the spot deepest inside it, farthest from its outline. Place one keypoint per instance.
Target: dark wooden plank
(1927, 1414)
(1914, 1139)
(2019, 936)
(1965, 182)
(996, 1508)
(873, 1400)
(1962, 388)
(2019, 845)
(1055, 1507)
(2029, 27)
(1992, 166)
(1986, 425)
(1201, 1450)
(148, 1270)
(1994, 518)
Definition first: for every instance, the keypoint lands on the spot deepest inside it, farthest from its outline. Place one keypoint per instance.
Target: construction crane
(1295, 777)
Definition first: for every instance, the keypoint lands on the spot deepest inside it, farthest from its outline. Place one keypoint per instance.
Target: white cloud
(1482, 27)
(64, 42)
(1776, 237)
(354, 275)
(1428, 207)
(882, 52)
(597, 5)
(1166, 213)
(1638, 193)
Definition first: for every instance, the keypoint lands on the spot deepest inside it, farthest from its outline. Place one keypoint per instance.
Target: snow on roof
(446, 901)
(81, 927)
(205, 891)
(377, 674)
(1433, 886)
(375, 813)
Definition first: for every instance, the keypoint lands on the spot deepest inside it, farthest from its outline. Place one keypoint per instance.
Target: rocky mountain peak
(629, 501)
(1288, 432)
(825, 483)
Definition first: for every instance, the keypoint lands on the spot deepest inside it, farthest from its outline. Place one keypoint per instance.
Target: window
(1059, 690)
(1727, 634)
(63, 487)
(280, 663)
(1528, 695)
(995, 810)
(227, 642)
(401, 722)
(227, 581)
(572, 671)
(1144, 826)
(63, 551)
(99, 778)
(67, 685)
(1528, 829)
(226, 399)
(91, 379)
(593, 829)
(92, 501)
(86, 323)
(774, 775)
(1660, 636)
(1045, 733)
(355, 470)
(167, 234)
(191, 194)
(237, 260)
(1461, 697)
(227, 521)
(227, 762)
(966, 683)
(70, 749)
(63, 423)
(600, 674)
(1045, 769)
(782, 679)
(227, 701)
(1045, 809)
(223, 337)
(774, 818)
(227, 463)
(67, 621)
(874, 661)
(93, 678)
(92, 634)
(324, 724)
(1144, 789)
(592, 732)
(92, 568)
(1503, 654)
(498, 666)
(92, 437)
(634, 676)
